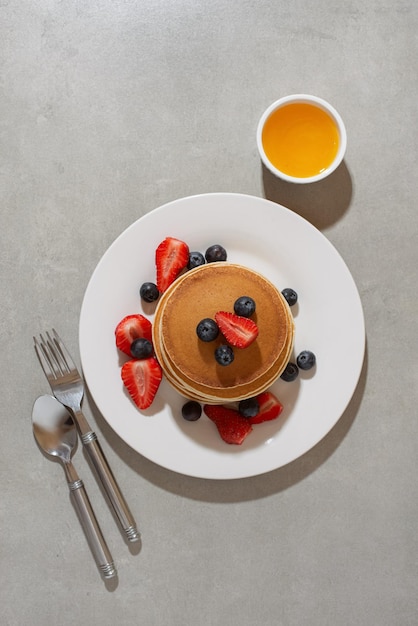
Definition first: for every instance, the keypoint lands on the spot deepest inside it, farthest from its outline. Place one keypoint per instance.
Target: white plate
(329, 321)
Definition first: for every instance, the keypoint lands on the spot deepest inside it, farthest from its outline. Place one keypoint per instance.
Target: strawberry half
(270, 408)
(142, 379)
(130, 328)
(171, 256)
(239, 331)
(232, 427)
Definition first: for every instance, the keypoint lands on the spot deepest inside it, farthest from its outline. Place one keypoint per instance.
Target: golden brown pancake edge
(189, 363)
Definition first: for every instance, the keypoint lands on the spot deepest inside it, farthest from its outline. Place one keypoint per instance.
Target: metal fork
(68, 388)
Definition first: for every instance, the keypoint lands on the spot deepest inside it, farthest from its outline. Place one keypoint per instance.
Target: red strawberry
(171, 256)
(142, 379)
(130, 328)
(232, 427)
(239, 331)
(270, 408)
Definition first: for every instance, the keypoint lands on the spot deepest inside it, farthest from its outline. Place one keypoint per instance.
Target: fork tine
(66, 356)
(44, 359)
(54, 355)
(51, 356)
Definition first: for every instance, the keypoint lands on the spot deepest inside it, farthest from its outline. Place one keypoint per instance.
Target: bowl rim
(325, 106)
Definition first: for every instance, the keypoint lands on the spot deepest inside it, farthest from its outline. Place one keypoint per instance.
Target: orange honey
(300, 139)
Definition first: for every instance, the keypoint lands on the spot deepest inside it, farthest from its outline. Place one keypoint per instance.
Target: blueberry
(224, 355)
(195, 260)
(290, 373)
(141, 348)
(244, 306)
(249, 407)
(207, 329)
(290, 296)
(215, 253)
(149, 292)
(306, 360)
(191, 411)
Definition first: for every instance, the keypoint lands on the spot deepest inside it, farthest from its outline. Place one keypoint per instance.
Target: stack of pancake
(189, 363)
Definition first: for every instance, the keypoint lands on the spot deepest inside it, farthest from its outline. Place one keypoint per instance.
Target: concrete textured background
(109, 109)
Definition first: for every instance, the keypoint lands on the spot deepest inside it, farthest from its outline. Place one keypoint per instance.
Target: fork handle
(110, 485)
(90, 524)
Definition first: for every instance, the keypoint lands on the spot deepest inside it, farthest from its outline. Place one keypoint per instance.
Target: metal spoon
(56, 435)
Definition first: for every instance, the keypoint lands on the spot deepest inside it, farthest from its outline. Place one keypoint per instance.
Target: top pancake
(203, 292)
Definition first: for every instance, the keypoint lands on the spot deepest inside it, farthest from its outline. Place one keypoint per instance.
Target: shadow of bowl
(322, 203)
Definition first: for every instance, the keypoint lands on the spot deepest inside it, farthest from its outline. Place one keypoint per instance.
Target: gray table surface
(112, 108)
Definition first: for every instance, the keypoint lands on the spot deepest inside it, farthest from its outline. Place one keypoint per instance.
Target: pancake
(189, 363)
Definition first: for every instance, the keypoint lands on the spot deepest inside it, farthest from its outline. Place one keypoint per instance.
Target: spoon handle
(90, 524)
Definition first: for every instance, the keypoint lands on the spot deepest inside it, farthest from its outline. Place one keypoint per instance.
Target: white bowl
(325, 106)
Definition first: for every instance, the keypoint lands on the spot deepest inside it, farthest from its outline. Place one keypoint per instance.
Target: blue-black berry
(215, 253)
(306, 360)
(224, 355)
(290, 296)
(141, 348)
(249, 407)
(207, 329)
(149, 292)
(244, 306)
(290, 373)
(191, 411)
(195, 260)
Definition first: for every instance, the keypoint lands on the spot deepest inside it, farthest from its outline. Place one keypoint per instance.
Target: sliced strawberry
(270, 408)
(239, 331)
(171, 256)
(130, 328)
(232, 427)
(142, 379)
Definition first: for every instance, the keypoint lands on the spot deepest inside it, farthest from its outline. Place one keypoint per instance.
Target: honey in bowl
(300, 139)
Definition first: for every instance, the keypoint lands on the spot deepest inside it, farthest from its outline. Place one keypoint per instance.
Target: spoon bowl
(54, 429)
